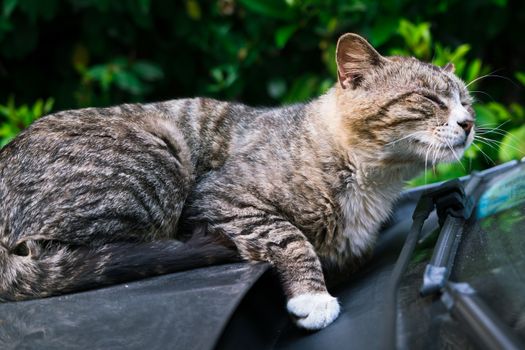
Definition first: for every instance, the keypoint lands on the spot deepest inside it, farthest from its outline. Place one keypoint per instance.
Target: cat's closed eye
(435, 99)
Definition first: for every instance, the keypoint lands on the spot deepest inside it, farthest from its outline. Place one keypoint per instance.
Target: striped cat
(97, 196)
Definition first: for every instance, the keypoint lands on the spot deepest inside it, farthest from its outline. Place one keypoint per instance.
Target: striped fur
(101, 195)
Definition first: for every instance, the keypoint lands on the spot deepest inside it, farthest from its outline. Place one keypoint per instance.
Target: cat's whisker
(507, 134)
(482, 131)
(435, 157)
(488, 126)
(497, 132)
(491, 75)
(484, 154)
(498, 143)
(485, 124)
(478, 79)
(432, 153)
(478, 137)
(454, 153)
(494, 147)
(482, 92)
(487, 143)
(489, 132)
(426, 162)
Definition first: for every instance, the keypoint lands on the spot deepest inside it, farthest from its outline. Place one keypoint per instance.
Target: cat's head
(406, 109)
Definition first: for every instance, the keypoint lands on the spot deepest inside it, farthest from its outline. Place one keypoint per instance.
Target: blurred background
(63, 54)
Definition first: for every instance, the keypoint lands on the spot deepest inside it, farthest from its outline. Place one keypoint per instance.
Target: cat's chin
(450, 155)
(444, 153)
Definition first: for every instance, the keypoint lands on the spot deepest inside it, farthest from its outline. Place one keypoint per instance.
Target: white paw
(313, 311)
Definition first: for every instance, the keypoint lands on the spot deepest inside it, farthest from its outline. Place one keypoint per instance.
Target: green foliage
(262, 52)
(15, 119)
(132, 77)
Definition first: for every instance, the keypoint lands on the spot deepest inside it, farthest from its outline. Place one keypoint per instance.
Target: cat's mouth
(444, 151)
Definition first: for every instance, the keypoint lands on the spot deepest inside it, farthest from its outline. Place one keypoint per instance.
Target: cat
(96, 196)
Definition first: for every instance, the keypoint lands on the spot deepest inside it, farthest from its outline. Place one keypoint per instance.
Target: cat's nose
(466, 125)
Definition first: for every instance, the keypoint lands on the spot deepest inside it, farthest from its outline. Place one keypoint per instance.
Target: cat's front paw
(313, 311)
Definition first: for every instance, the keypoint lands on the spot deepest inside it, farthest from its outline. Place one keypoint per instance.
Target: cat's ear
(449, 67)
(354, 56)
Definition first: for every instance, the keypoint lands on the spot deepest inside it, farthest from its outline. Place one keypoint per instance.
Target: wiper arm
(454, 206)
(484, 326)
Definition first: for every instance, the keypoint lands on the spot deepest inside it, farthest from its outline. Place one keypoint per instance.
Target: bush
(15, 119)
(262, 52)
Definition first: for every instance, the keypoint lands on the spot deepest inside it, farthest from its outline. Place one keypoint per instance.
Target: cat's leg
(297, 264)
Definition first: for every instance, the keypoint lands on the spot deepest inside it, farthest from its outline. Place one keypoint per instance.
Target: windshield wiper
(454, 206)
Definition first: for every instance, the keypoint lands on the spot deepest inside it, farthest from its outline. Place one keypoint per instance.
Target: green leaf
(513, 145)
(270, 8)
(325, 85)
(217, 74)
(460, 52)
(7, 133)
(12, 111)
(303, 88)
(103, 74)
(4, 111)
(129, 82)
(23, 114)
(9, 7)
(443, 171)
(48, 105)
(284, 34)
(473, 71)
(144, 5)
(471, 153)
(329, 59)
(518, 112)
(17, 118)
(6, 130)
(500, 111)
(383, 30)
(500, 3)
(193, 9)
(224, 77)
(485, 116)
(520, 76)
(417, 38)
(148, 71)
(38, 108)
(97, 72)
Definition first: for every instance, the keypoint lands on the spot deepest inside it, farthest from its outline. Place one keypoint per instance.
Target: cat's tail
(61, 268)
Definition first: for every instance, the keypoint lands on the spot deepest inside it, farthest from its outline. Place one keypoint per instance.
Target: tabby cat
(96, 196)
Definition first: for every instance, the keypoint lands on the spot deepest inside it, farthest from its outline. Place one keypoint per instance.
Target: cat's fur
(98, 195)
